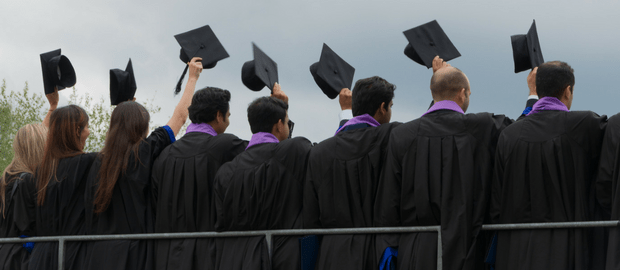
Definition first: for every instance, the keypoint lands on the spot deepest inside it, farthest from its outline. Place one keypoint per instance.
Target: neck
(215, 126)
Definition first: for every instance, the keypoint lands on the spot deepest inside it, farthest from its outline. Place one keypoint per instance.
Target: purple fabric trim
(262, 137)
(444, 105)
(364, 118)
(202, 127)
(548, 104)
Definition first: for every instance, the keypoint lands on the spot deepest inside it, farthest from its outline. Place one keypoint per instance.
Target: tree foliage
(18, 109)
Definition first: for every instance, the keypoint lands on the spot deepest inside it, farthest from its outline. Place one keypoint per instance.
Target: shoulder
(299, 144)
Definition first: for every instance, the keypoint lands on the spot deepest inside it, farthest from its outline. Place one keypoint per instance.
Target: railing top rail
(147, 236)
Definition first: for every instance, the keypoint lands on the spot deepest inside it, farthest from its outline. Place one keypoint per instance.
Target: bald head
(447, 82)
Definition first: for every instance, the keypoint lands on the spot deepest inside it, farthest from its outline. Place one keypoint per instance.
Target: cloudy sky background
(100, 35)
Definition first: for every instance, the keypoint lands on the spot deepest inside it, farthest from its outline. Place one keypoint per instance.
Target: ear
(567, 92)
(219, 117)
(381, 110)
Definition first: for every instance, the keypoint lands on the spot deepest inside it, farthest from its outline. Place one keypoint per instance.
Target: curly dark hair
(206, 103)
(264, 112)
(369, 93)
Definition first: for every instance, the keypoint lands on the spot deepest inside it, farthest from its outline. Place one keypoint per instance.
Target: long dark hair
(128, 127)
(63, 141)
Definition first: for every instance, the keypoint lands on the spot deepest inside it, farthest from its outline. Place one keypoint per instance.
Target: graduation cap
(200, 42)
(526, 50)
(427, 41)
(122, 84)
(57, 71)
(260, 72)
(331, 73)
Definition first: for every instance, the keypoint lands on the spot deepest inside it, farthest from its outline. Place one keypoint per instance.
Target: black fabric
(260, 72)
(13, 256)
(438, 171)
(201, 42)
(607, 188)
(57, 71)
(526, 50)
(122, 84)
(545, 167)
(62, 213)
(261, 189)
(341, 182)
(427, 41)
(183, 178)
(130, 211)
(332, 73)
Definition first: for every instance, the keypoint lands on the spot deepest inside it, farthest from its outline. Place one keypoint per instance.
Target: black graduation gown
(13, 256)
(62, 213)
(261, 189)
(183, 178)
(545, 170)
(341, 182)
(129, 212)
(438, 172)
(607, 188)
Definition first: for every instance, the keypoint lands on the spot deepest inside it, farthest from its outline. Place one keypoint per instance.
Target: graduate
(183, 181)
(342, 177)
(28, 146)
(438, 172)
(58, 194)
(28, 149)
(607, 187)
(261, 190)
(118, 191)
(545, 171)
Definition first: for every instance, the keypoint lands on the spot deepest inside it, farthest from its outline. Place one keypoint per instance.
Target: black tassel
(177, 90)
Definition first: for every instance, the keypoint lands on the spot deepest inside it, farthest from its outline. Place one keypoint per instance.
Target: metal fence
(270, 233)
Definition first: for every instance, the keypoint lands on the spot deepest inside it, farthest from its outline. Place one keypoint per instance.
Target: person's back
(544, 172)
(261, 189)
(438, 171)
(118, 196)
(183, 182)
(342, 177)
(28, 147)
(58, 192)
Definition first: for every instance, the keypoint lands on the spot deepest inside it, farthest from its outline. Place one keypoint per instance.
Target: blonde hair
(28, 147)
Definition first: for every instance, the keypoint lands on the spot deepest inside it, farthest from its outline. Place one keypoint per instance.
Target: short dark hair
(264, 112)
(553, 77)
(446, 84)
(369, 93)
(206, 103)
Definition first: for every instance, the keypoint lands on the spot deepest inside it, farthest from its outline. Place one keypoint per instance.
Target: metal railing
(270, 233)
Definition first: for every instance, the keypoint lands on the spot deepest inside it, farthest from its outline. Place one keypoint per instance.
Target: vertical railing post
(439, 250)
(268, 238)
(61, 253)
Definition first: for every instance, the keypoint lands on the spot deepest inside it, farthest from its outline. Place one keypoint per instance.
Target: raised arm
(52, 98)
(180, 112)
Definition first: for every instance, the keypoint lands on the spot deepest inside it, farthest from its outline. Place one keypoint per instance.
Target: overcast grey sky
(100, 35)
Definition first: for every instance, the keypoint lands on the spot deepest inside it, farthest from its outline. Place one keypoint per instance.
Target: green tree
(17, 109)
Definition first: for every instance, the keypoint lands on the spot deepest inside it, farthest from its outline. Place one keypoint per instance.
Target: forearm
(46, 120)
(180, 112)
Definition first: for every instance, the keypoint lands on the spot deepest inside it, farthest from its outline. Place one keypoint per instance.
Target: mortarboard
(331, 73)
(526, 50)
(122, 84)
(260, 72)
(427, 41)
(57, 71)
(200, 42)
